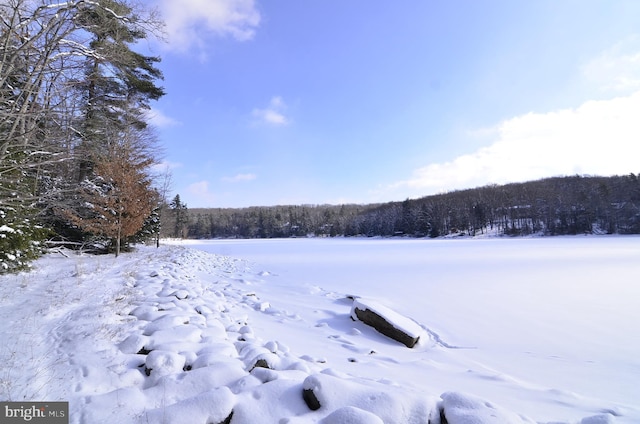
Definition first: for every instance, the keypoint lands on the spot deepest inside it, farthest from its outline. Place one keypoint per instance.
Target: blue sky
(326, 101)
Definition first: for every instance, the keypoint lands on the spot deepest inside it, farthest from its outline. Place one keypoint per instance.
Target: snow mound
(461, 408)
(351, 415)
(388, 403)
(214, 406)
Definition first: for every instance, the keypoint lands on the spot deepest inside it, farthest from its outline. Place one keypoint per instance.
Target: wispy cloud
(273, 114)
(166, 166)
(190, 22)
(158, 119)
(598, 137)
(240, 178)
(617, 69)
(200, 191)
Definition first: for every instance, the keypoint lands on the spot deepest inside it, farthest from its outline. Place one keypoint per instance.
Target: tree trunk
(118, 244)
(119, 235)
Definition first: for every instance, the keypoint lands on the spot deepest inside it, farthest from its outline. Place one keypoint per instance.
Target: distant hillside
(551, 206)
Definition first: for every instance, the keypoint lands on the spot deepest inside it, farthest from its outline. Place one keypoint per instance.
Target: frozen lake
(549, 327)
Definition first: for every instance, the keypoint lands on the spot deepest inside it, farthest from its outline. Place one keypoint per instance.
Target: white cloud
(190, 22)
(272, 114)
(240, 178)
(617, 69)
(158, 119)
(199, 191)
(165, 167)
(597, 138)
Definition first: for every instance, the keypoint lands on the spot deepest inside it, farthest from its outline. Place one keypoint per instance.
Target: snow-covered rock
(214, 406)
(386, 321)
(389, 403)
(161, 362)
(459, 408)
(351, 415)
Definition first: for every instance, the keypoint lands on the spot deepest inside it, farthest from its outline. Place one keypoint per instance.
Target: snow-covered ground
(514, 330)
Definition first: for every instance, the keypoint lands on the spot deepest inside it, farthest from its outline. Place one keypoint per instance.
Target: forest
(551, 206)
(76, 150)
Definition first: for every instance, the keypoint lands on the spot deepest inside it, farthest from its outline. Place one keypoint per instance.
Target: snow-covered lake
(512, 331)
(549, 327)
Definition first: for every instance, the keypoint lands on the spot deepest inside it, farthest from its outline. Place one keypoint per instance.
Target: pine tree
(115, 93)
(179, 210)
(119, 83)
(150, 228)
(21, 238)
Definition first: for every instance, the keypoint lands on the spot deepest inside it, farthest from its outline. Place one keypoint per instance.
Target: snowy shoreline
(175, 334)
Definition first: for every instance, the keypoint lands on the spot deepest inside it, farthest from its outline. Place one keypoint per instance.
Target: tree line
(76, 150)
(551, 206)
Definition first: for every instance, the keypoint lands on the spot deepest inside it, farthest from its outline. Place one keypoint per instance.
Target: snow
(6, 229)
(511, 331)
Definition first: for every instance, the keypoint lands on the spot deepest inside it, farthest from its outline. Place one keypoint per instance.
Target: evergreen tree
(21, 238)
(181, 218)
(150, 228)
(119, 83)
